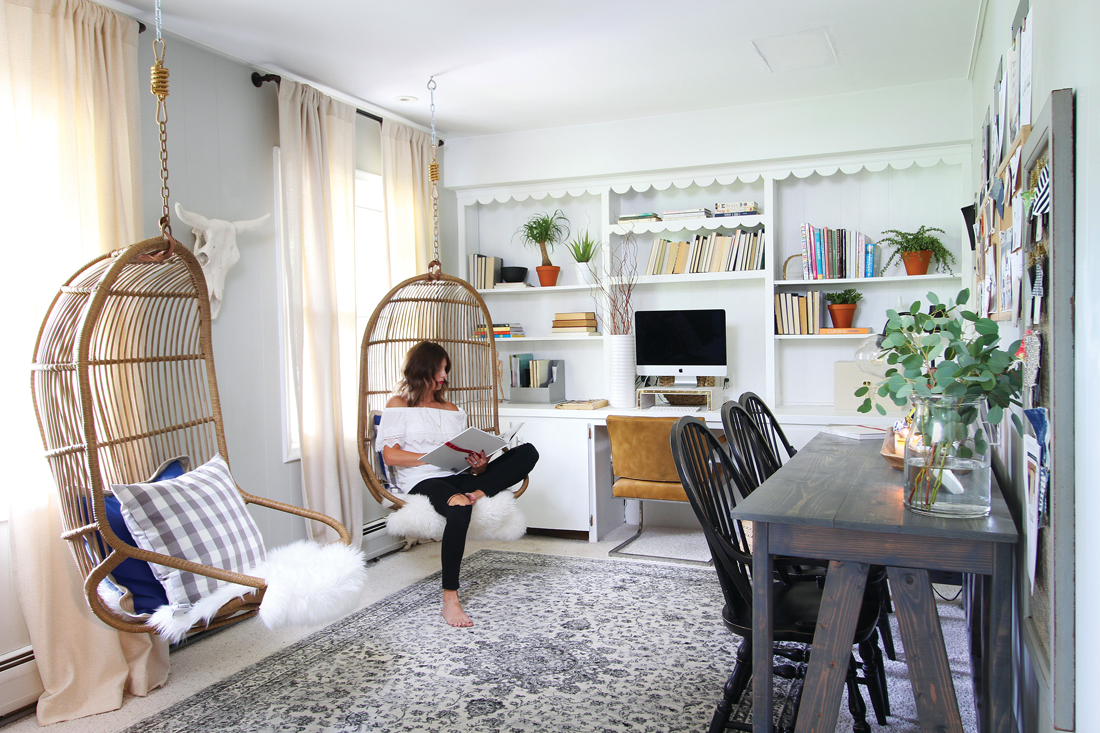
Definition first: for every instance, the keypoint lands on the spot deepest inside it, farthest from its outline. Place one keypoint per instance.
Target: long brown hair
(421, 364)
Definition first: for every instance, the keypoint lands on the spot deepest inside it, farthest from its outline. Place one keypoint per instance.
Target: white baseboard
(20, 684)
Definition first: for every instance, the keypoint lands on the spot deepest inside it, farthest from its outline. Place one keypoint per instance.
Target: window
(371, 283)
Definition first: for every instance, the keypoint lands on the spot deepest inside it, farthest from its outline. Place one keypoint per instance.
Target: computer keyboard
(675, 408)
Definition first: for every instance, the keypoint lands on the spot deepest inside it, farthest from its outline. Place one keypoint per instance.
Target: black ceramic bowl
(513, 274)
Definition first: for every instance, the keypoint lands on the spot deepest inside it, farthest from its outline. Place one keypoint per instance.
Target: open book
(452, 454)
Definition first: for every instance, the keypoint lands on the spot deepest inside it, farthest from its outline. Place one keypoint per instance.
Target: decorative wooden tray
(897, 462)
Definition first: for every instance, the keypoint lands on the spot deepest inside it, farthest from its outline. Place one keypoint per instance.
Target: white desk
(570, 487)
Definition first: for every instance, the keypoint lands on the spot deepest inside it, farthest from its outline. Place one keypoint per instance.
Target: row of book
(798, 314)
(743, 250)
(501, 331)
(484, 272)
(837, 253)
(732, 208)
(580, 322)
(527, 371)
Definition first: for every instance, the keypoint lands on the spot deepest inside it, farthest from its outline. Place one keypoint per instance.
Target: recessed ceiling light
(797, 51)
(405, 98)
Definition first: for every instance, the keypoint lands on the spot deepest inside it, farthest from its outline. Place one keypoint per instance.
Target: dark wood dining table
(838, 499)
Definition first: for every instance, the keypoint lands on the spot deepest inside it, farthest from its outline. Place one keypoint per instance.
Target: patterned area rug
(560, 644)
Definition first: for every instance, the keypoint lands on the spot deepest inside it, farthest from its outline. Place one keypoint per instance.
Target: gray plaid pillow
(199, 516)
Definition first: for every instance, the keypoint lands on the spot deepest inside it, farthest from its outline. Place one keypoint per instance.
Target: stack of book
(483, 272)
(583, 322)
(501, 331)
(699, 213)
(527, 371)
(736, 208)
(645, 216)
(803, 314)
(799, 313)
(743, 250)
(512, 286)
(829, 254)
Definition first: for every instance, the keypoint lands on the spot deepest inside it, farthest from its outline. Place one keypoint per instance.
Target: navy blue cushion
(136, 575)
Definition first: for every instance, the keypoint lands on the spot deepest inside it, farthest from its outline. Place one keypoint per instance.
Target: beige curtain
(317, 150)
(407, 200)
(69, 149)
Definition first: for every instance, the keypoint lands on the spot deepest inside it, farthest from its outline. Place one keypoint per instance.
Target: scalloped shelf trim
(726, 180)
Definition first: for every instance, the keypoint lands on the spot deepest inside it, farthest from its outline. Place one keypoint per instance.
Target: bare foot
(452, 610)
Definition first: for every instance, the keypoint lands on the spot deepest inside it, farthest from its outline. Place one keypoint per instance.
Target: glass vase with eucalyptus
(947, 458)
(946, 361)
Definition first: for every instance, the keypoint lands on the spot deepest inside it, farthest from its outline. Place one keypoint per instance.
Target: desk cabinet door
(557, 497)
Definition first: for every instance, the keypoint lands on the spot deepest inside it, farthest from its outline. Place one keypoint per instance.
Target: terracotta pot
(548, 276)
(916, 263)
(842, 314)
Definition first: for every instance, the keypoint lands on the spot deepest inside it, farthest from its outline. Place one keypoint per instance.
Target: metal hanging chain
(435, 267)
(159, 87)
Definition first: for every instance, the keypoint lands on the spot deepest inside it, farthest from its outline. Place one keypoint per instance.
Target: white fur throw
(494, 518)
(307, 585)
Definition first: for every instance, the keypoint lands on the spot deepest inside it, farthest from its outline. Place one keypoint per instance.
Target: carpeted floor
(562, 644)
(567, 644)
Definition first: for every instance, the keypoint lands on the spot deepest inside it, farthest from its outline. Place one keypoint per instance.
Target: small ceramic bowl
(513, 274)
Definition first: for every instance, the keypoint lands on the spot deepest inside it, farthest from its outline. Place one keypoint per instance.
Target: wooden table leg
(836, 629)
(761, 630)
(997, 716)
(929, 672)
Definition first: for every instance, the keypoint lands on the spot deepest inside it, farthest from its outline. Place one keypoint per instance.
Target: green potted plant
(947, 363)
(916, 250)
(583, 248)
(545, 230)
(842, 306)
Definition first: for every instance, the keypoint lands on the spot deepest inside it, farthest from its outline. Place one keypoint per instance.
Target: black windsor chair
(710, 481)
(748, 444)
(768, 424)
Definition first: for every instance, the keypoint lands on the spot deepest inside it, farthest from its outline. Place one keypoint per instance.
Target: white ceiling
(508, 65)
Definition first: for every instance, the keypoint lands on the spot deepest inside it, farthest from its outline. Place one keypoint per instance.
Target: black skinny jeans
(507, 470)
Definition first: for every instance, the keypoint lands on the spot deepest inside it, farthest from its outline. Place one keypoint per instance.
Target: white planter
(584, 273)
(619, 358)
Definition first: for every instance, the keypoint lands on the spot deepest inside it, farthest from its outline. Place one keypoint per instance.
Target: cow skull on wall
(216, 249)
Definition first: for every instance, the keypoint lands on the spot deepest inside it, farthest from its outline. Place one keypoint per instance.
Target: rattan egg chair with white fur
(123, 380)
(431, 307)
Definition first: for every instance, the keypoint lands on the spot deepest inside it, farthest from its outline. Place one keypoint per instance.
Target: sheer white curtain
(317, 150)
(407, 199)
(69, 149)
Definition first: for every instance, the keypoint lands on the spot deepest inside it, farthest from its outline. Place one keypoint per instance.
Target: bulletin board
(1045, 465)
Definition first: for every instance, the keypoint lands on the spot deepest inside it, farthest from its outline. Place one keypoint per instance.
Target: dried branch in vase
(614, 287)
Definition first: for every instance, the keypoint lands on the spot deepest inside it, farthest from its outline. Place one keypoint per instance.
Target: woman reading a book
(416, 420)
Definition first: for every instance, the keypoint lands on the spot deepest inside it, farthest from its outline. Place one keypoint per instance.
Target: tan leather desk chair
(641, 462)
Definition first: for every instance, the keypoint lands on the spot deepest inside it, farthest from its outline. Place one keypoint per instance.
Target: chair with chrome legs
(642, 465)
(711, 484)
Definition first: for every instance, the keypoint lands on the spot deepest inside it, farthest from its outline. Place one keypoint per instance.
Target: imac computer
(684, 344)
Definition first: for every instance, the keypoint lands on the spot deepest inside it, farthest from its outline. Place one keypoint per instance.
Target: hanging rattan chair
(432, 307)
(123, 379)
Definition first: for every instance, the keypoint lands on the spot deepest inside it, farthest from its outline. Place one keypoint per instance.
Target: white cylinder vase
(619, 358)
(585, 275)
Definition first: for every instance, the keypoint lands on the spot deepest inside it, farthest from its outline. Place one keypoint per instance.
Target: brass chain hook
(435, 267)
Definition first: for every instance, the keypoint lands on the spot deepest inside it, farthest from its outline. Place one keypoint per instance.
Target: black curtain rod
(258, 80)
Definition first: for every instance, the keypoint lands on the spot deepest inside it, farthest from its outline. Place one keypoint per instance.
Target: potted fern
(842, 306)
(916, 250)
(583, 249)
(545, 230)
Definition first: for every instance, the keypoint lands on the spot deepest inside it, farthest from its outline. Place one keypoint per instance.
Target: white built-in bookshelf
(868, 193)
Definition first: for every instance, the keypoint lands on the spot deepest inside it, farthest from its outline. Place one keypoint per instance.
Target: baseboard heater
(376, 542)
(16, 658)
